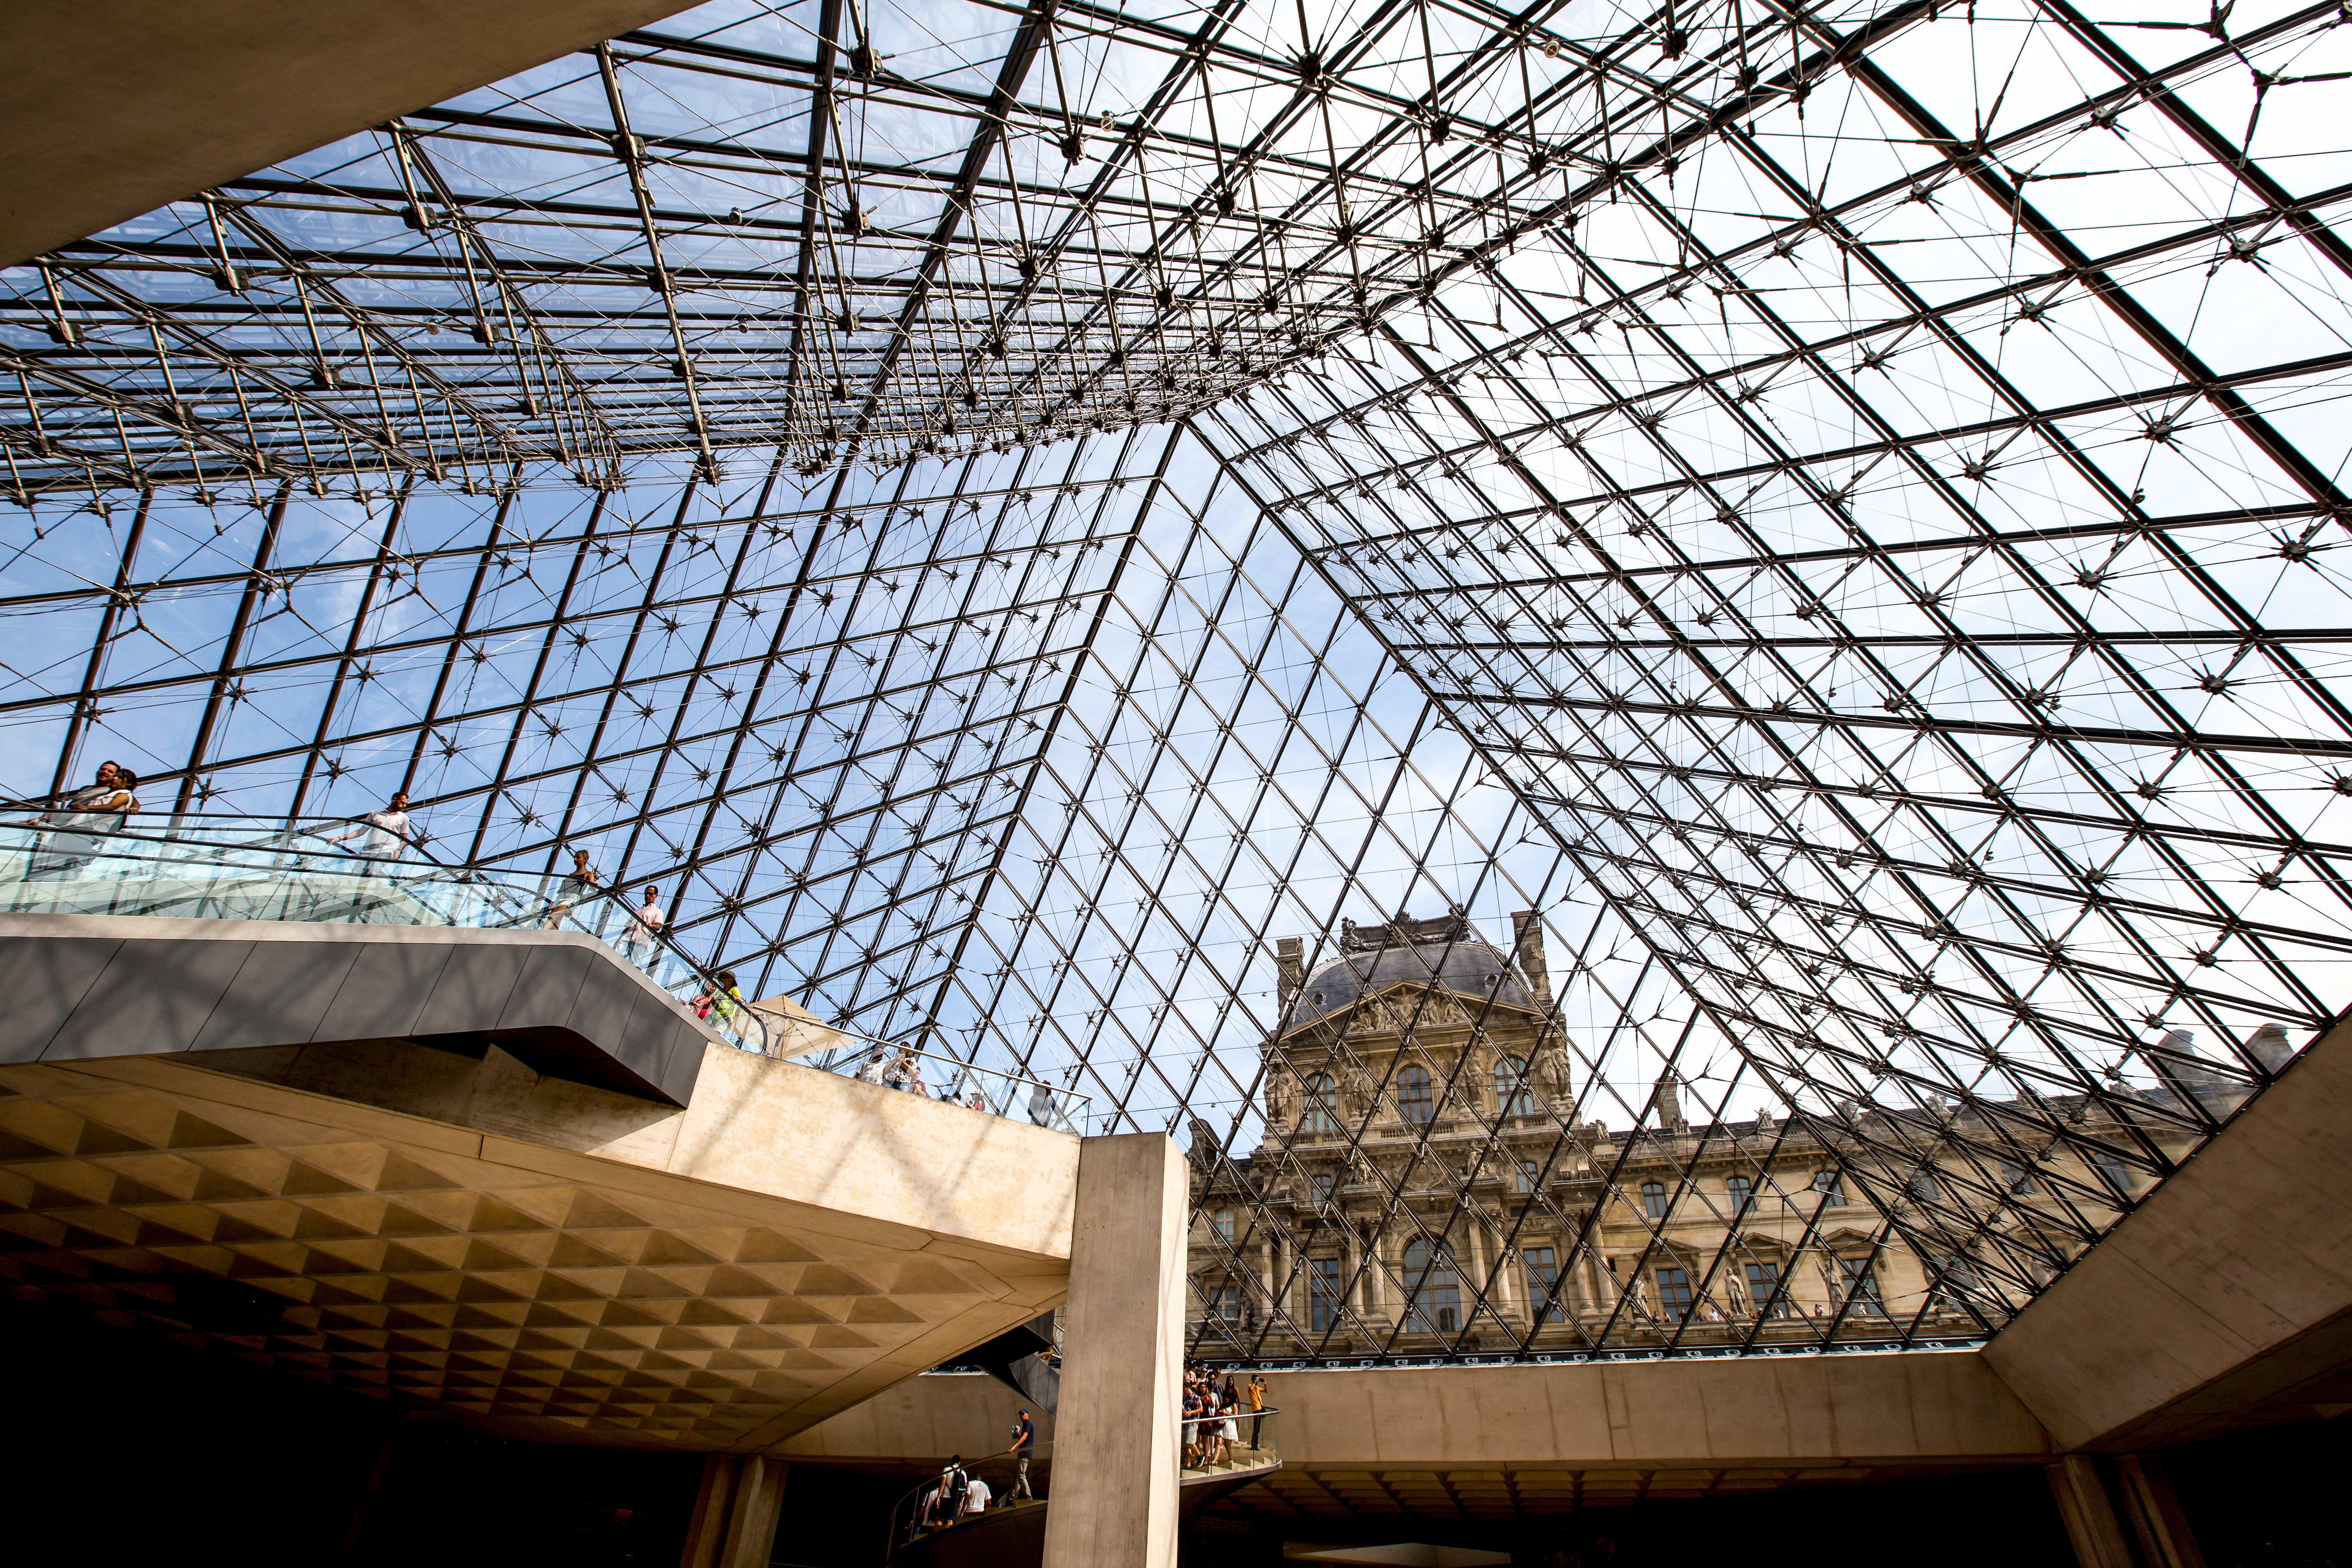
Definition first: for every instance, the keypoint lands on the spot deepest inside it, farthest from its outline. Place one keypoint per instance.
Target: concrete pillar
(1116, 1446)
(2091, 1523)
(735, 1513)
(2164, 1538)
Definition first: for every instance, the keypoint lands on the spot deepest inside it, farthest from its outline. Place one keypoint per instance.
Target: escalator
(1012, 1535)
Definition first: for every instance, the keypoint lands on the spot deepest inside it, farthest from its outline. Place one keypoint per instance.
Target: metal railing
(1230, 1442)
(917, 1514)
(245, 869)
(333, 870)
(951, 1079)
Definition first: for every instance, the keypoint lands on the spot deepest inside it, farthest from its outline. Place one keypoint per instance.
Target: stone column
(1116, 1446)
(2090, 1517)
(735, 1513)
(2164, 1538)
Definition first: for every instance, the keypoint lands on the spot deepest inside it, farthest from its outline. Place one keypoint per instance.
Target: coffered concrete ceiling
(537, 1290)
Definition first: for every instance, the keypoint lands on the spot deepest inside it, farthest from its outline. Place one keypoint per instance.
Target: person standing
(89, 813)
(870, 1069)
(384, 834)
(1257, 1405)
(954, 1486)
(637, 936)
(581, 884)
(720, 998)
(976, 1496)
(1024, 1442)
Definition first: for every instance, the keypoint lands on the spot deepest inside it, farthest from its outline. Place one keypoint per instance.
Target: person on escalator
(1025, 1441)
(954, 1487)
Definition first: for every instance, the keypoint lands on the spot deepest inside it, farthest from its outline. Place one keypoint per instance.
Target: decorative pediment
(1404, 1005)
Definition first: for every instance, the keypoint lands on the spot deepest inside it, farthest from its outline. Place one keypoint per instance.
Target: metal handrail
(908, 1507)
(998, 1092)
(306, 869)
(1248, 1423)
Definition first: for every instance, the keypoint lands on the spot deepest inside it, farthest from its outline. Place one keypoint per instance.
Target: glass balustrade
(1232, 1442)
(319, 872)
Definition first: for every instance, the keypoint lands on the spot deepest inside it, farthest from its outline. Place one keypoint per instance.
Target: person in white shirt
(637, 936)
(93, 810)
(382, 834)
(976, 1496)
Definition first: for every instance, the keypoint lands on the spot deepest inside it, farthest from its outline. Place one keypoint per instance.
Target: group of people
(1213, 1412)
(961, 1494)
(898, 1068)
(81, 820)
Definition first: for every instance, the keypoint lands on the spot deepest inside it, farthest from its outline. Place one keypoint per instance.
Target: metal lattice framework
(1004, 512)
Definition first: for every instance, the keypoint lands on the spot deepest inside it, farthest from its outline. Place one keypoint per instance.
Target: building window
(1858, 1287)
(1322, 1294)
(1673, 1293)
(1433, 1295)
(1950, 1280)
(1225, 1303)
(1323, 1185)
(1512, 1096)
(1653, 1199)
(1526, 1176)
(1830, 1184)
(1924, 1186)
(1413, 1095)
(1222, 1224)
(2111, 1165)
(2016, 1178)
(1743, 1195)
(1543, 1276)
(1764, 1290)
(1322, 1112)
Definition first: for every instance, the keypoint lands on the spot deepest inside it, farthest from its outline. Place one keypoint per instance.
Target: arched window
(1512, 1096)
(1653, 1199)
(1413, 1095)
(1435, 1294)
(1742, 1190)
(1322, 1112)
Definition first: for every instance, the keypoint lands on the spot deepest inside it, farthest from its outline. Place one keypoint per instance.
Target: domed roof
(1445, 952)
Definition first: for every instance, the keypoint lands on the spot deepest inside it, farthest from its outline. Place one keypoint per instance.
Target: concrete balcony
(499, 1171)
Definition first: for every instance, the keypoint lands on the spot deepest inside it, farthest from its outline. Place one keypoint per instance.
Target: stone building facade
(1422, 1184)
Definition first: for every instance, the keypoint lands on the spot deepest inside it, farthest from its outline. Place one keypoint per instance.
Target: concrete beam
(1921, 1411)
(1122, 1379)
(2225, 1299)
(1802, 1411)
(88, 986)
(112, 108)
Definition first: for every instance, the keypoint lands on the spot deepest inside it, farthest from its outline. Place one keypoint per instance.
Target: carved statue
(1281, 1096)
(1552, 1068)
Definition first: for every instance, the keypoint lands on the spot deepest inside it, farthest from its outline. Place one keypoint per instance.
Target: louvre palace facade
(1422, 1175)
